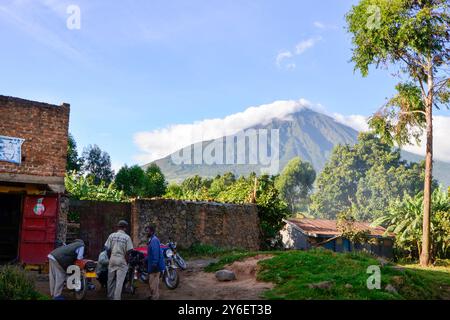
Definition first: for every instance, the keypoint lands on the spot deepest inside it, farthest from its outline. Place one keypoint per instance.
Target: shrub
(16, 285)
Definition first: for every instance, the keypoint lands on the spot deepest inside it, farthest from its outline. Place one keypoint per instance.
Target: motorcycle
(137, 269)
(87, 274)
(176, 256)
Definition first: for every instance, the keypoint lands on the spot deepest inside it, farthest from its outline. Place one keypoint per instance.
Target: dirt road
(194, 284)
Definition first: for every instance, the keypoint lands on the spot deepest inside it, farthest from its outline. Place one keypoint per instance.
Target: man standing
(118, 243)
(155, 262)
(59, 260)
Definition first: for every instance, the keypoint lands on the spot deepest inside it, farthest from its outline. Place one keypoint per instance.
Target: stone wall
(187, 223)
(45, 130)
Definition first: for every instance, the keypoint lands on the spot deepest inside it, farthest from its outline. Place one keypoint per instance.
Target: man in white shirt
(118, 243)
(59, 260)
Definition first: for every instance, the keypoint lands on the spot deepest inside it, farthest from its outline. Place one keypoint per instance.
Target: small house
(304, 234)
(33, 153)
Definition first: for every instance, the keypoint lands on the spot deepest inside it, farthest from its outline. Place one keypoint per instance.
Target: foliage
(131, 181)
(404, 218)
(293, 271)
(135, 182)
(97, 164)
(345, 224)
(156, 184)
(413, 36)
(295, 183)
(74, 163)
(174, 191)
(365, 178)
(220, 183)
(16, 285)
(199, 250)
(83, 188)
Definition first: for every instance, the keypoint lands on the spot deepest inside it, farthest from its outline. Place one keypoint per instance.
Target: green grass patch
(207, 251)
(293, 271)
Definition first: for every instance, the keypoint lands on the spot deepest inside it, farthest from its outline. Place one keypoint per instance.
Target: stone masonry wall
(187, 223)
(45, 130)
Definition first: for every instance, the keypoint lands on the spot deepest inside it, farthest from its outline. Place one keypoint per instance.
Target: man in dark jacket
(59, 260)
(155, 262)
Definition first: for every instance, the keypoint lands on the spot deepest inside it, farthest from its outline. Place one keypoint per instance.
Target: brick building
(33, 152)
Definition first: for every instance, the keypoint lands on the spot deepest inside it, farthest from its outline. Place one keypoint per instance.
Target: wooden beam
(25, 178)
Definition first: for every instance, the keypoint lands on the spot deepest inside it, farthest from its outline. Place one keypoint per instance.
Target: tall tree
(131, 180)
(156, 184)
(73, 161)
(97, 164)
(295, 183)
(413, 37)
(363, 178)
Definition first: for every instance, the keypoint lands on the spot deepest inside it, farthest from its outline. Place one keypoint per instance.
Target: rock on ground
(225, 275)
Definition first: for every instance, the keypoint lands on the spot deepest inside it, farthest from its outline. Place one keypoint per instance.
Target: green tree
(413, 37)
(73, 161)
(97, 164)
(295, 183)
(220, 183)
(382, 185)
(131, 180)
(174, 191)
(155, 185)
(365, 178)
(404, 218)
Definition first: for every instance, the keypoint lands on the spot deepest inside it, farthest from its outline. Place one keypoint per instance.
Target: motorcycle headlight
(169, 253)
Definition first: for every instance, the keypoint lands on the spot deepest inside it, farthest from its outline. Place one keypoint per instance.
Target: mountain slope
(308, 134)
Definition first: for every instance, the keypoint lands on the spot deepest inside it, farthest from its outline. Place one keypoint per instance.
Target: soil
(195, 284)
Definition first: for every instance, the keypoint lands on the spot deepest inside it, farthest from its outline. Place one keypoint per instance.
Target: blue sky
(139, 66)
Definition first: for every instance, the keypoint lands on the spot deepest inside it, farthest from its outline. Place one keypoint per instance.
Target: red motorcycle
(137, 269)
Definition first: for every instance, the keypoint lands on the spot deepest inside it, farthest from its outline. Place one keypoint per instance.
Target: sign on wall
(11, 149)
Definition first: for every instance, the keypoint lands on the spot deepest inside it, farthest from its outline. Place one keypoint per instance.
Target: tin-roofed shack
(304, 234)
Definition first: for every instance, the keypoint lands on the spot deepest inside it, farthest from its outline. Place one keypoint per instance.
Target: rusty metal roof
(322, 227)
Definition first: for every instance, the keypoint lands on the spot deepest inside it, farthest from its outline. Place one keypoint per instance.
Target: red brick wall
(45, 130)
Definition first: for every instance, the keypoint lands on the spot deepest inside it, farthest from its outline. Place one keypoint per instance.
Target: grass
(198, 251)
(293, 271)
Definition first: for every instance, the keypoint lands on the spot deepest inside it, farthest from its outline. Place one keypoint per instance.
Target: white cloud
(304, 45)
(441, 134)
(159, 143)
(323, 26)
(355, 121)
(319, 25)
(282, 56)
(299, 49)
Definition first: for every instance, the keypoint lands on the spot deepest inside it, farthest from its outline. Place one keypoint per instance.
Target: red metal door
(38, 233)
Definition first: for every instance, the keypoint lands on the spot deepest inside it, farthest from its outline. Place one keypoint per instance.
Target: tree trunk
(425, 254)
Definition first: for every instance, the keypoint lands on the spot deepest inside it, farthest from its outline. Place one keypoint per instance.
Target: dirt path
(194, 284)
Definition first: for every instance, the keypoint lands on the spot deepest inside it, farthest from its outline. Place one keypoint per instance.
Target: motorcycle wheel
(180, 262)
(81, 294)
(171, 279)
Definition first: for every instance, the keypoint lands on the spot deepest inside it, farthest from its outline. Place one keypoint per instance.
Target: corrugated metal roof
(322, 227)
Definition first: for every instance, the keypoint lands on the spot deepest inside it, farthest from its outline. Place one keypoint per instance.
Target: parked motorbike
(137, 269)
(176, 256)
(87, 274)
